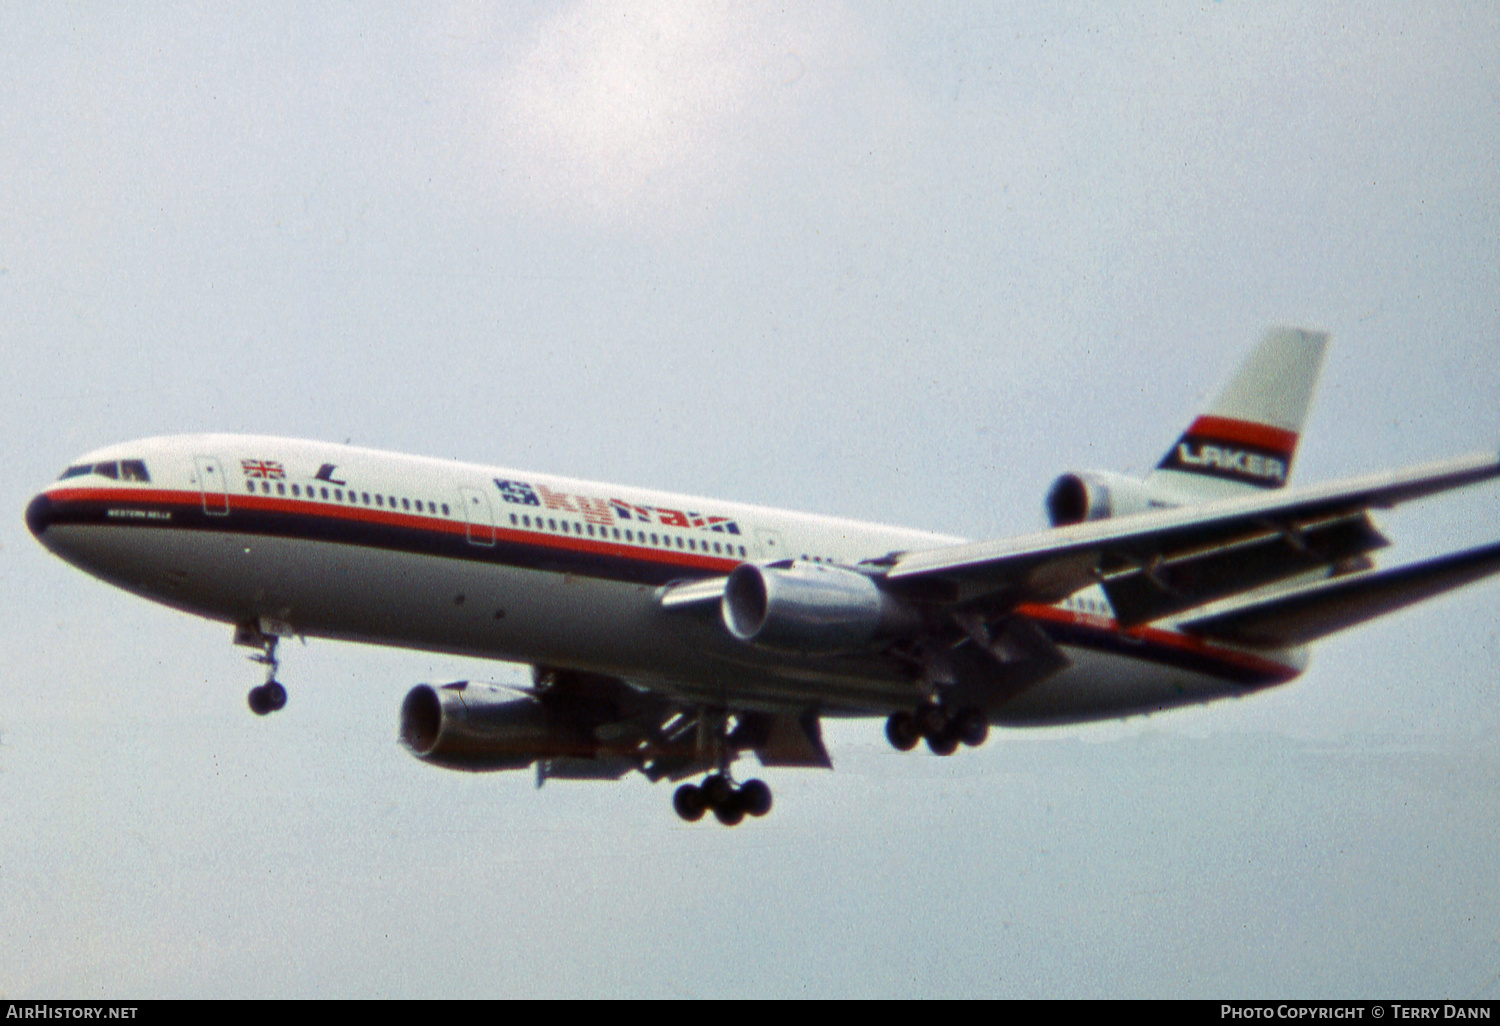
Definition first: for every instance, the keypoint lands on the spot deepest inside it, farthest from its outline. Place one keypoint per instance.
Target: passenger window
(445, 509)
(250, 487)
(296, 491)
(324, 491)
(265, 488)
(405, 504)
(280, 489)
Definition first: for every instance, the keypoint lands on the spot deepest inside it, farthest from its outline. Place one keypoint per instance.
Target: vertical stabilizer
(1246, 438)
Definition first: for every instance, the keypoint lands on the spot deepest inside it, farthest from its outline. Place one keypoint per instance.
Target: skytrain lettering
(605, 512)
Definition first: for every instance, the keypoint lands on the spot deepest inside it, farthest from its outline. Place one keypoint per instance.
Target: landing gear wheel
(718, 791)
(903, 731)
(689, 802)
(755, 796)
(932, 719)
(260, 702)
(972, 727)
(275, 695)
(731, 811)
(944, 743)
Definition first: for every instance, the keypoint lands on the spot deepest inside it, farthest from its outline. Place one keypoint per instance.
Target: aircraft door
(477, 512)
(211, 482)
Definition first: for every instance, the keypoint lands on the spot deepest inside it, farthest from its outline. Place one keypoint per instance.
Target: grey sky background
(902, 262)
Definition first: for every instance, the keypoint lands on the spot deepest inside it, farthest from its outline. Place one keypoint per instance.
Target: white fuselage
(331, 541)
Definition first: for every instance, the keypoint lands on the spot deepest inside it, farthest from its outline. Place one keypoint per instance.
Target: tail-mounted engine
(808, 608)
(1098, 495)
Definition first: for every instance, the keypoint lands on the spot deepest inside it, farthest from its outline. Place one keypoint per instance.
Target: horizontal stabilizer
(1310, 613)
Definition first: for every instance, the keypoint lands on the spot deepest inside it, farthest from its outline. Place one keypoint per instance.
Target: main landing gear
(728, 800)
(944, 728)
(270, 696)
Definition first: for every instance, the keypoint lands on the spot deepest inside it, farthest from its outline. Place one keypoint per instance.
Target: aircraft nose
(39, 514)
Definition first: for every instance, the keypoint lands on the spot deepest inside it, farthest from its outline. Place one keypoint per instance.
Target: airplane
(670, 635)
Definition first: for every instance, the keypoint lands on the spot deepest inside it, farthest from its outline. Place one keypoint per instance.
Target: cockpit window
(123, 470)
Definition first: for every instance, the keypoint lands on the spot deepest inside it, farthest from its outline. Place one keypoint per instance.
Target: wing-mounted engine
(1075, 498)
(584, 726)
(473, 726)
(812, 609)
(599, 722)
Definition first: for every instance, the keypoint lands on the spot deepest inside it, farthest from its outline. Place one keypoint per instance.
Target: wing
(1157, 564)
(1309, 613)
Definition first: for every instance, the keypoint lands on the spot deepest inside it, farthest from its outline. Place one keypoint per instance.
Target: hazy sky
(905, 262)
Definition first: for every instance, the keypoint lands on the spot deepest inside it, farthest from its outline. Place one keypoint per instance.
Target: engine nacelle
(811, 609)
(474, 726)
(1099, 495)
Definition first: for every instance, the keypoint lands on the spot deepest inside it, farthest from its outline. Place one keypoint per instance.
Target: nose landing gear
(270, 696)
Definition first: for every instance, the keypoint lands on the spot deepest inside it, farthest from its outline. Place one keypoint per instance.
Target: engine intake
(811, 609)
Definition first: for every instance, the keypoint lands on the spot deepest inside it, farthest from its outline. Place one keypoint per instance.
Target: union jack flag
(263, 469)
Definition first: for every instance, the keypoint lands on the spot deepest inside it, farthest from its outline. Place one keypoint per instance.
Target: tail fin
(1245, 439)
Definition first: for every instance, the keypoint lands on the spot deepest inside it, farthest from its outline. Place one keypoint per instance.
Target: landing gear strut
(270, 696)
(944, 728)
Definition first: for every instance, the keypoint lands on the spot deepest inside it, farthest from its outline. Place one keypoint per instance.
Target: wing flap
(1196, 578)
(1307, 614)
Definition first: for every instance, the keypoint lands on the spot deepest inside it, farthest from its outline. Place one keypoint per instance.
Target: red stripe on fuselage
(159, 498)
(1176, 640)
